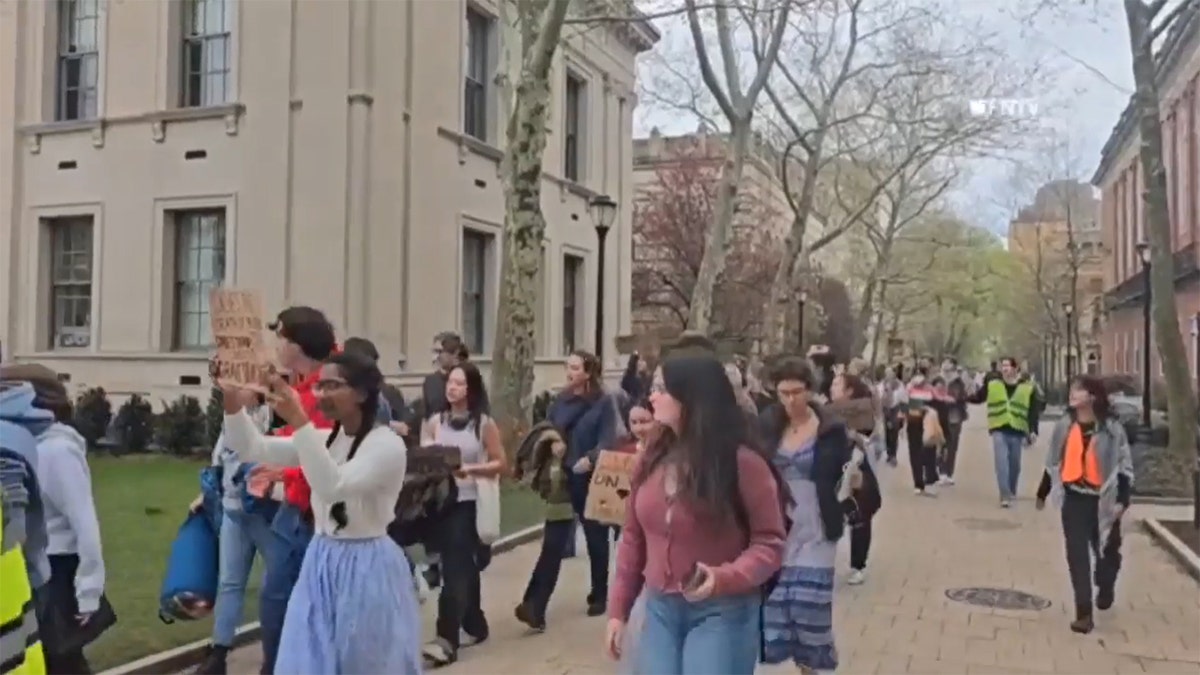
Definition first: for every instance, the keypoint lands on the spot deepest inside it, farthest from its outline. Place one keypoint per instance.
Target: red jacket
(295, 487)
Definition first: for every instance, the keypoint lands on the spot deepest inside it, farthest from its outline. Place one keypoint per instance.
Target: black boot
(214, 661)
(596, 606)
(1083, 620)
(1105, 596)
(527, 615)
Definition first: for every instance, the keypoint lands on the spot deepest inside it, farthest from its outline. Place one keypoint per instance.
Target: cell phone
(695, 579)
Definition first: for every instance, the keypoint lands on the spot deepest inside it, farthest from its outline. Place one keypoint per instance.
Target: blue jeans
(242, 535)
(719, 636)
(1006, 451)
(291, 536)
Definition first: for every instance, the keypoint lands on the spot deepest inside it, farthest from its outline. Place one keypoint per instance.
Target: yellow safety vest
(1006, 411)
(20, 647)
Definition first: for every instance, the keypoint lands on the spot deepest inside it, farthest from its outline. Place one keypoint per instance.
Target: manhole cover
(987, 524)
(998, 598)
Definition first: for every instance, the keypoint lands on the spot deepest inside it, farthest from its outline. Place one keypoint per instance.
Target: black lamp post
(1069, 313)
(1143, 250)
(603, 211)
(802, 300)
(1196, 468)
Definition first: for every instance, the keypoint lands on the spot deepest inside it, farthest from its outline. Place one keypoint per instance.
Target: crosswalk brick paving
(900, 620)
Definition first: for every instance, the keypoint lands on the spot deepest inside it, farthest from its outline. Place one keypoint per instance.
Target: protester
(392, 409)
(952, 411)
(353, 609)
(703, 531)
(922, 457)
(1013, 408)
(463, 425)
(75, 589)
(1089, 474)
(893, 399)
(868, 498)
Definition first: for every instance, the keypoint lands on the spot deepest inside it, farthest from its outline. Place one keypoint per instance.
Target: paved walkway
(901, 621)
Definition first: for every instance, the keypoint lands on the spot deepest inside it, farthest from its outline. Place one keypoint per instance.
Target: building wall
(338, 158)
(1122, 183)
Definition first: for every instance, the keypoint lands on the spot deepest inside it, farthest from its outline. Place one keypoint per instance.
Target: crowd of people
(744, 484)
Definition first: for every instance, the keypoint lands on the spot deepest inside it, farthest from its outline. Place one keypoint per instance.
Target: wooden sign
(237, 328)
(610, 487)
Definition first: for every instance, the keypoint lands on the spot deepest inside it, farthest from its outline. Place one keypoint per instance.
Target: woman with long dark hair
(703, 531)
(466, 426)
(353, 609)
(867, 498)
(1089, 474)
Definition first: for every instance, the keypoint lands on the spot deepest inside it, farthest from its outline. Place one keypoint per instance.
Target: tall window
(78, 59)
(572, 284)
(475, 80)
(573, 127)
(206, 57)
(71, 282)
(474, 287)
(199, 267)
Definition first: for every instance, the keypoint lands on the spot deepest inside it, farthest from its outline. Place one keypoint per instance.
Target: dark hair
(362, 346)
(713, 429)
(593, 368)
(796, 369)
(857, 386)
(475, 394)
(308, 328)
(953, 361)
(454, 344)
(361, 374)
(1012, 360)
(937, 380)
(643, 403)
(1094, 386)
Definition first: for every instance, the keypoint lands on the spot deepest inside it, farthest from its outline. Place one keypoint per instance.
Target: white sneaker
(856, 577)
(929, 491)
(918, 491)
(948, 480)
(1004, 503)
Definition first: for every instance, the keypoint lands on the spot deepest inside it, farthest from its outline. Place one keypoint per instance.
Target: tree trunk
(524, 225)
(1181, 400)
(877, 332)
(717, 235)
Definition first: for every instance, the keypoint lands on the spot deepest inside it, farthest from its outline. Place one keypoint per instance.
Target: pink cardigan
(664, 556)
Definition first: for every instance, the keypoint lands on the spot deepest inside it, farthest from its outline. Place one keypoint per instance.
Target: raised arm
(380, 461)
(250, 445)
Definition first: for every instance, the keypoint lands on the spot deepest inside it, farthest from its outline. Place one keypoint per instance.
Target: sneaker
(1083, 623)
(597, 608)
(527, 616)
(439, 653)
(918, 491)
(948, 480)
(1005, 503)
(856, 577)
(214, 662)
(929, 491)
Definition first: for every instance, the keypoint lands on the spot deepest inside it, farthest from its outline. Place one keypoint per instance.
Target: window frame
(572, 285)
(60, 229)
(473, 300)
(573, 125)
(477, 65)
(201, 42)
(182, 220)
(71, 24)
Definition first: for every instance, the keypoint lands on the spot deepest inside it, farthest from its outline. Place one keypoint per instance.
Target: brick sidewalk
(900, 621)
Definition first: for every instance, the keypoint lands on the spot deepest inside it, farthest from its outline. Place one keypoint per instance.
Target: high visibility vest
(1080, 463)
(1006, 411)
(20, 647)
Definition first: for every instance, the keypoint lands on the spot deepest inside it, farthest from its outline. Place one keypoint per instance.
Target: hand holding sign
(242, 358)
(610, 487)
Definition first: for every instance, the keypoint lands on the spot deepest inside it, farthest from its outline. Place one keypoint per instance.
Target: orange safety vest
(1080, 464)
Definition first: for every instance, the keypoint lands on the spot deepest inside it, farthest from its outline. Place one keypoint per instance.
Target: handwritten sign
(610, 487)
(237, 328)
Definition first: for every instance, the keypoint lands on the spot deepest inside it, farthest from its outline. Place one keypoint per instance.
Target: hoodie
(24, 512)
(71, 523)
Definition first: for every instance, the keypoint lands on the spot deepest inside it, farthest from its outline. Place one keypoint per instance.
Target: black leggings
(860, 545)
(1081, 531)
(459, 602)
(922, 459)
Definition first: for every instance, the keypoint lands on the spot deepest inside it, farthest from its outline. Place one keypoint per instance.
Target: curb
(180, 658)
(1160, 501)
(1178, 550)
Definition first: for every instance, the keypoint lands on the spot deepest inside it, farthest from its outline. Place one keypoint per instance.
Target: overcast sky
(1086, 51)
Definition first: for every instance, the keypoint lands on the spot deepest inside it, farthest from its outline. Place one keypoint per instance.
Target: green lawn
(141, 501)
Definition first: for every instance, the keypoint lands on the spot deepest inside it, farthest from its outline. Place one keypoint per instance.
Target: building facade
(344, 155)
(1122, 182)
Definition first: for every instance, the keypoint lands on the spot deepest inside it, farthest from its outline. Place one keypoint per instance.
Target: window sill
(158, 121)
(488, 151)
(84, 355)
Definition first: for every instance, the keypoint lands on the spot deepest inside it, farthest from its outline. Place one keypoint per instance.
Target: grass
(141, 500)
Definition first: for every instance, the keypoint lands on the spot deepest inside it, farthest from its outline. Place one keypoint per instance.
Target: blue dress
(798, 614)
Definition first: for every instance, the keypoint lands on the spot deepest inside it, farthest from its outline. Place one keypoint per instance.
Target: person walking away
(955, 406)
(464, 425)
(922, 458)
(894, 400)
(1013, 410)
(75, 589)
(1089, 474)
(304, 339)
(703, 531)
(354, 608)
(811, 449)
(868, 498)
(586, 417)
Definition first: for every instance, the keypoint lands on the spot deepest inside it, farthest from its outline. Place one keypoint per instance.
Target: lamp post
(1069, 313)
(603, 211)
(1196, 467)
(1143, 250)
(802, 301)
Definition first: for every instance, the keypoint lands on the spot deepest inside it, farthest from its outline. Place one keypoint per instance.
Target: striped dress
(798, 614)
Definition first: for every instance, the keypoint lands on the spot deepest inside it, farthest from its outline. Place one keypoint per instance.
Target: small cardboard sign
(433, 460)
(237, 328)
(610, 487)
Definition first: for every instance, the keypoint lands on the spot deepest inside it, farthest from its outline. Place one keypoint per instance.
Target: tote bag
(487, 509)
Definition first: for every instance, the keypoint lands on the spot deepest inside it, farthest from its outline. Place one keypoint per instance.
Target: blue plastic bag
(189, 587)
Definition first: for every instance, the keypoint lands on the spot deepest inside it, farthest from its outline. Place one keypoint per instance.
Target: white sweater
(369, 484)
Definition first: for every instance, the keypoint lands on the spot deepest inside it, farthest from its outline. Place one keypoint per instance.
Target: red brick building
(1121, 181)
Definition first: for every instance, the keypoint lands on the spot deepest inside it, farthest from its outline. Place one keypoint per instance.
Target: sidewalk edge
(179, 658)
(1176, 548)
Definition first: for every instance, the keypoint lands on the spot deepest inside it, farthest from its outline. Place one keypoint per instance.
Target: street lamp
(1069, 311)
(1196, 468)
(1143, 250)
(802, 300)
(603, 211)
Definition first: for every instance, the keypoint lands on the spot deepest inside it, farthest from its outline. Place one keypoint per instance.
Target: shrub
(541, 406)
(93, 414)
(214, 417)
(180, 428)
(134, 424)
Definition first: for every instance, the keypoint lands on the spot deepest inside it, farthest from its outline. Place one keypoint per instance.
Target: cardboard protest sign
(610, 487)
(433, 460)
(237, 328)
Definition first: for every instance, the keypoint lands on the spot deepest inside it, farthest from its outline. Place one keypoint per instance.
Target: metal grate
(998, 598)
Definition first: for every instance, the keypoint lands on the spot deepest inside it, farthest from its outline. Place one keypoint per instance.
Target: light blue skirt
(352, 611)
